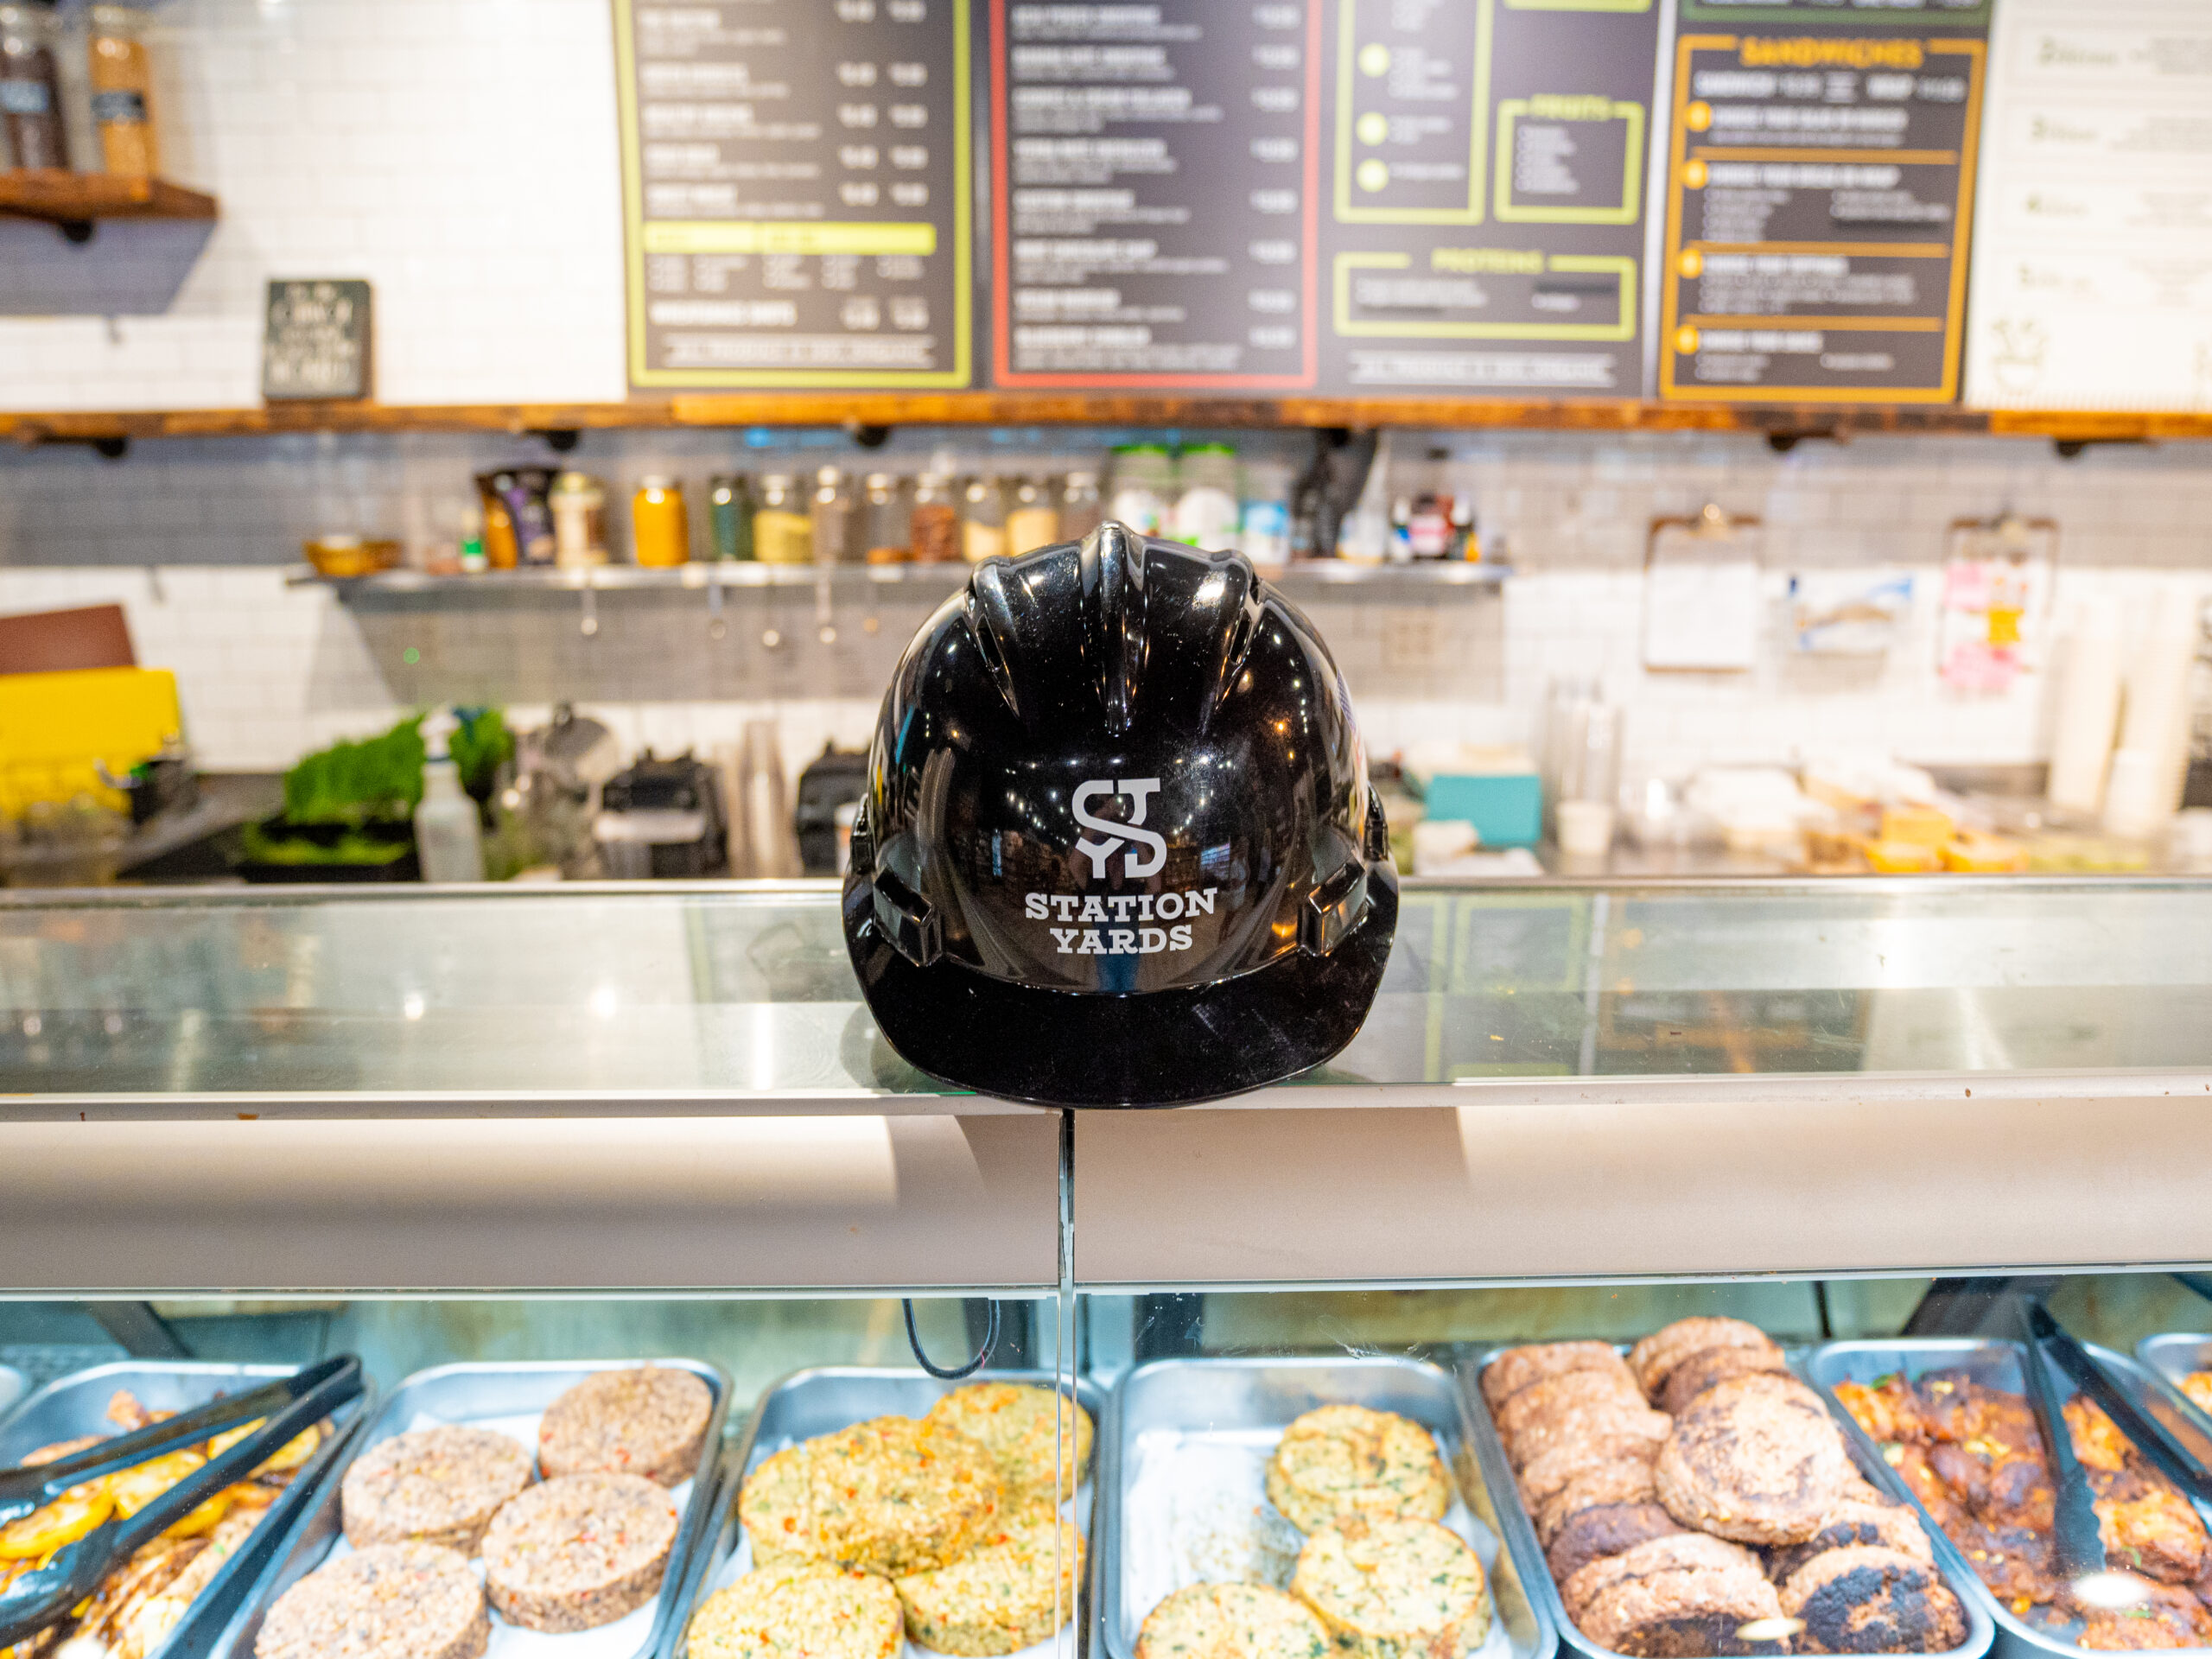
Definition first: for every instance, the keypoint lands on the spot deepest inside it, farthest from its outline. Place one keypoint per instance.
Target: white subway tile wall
(191, 537)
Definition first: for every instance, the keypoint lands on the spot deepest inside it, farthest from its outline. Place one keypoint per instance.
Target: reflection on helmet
(1118, 845)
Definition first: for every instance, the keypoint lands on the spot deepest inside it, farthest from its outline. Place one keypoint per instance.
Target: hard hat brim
(1149, 1048)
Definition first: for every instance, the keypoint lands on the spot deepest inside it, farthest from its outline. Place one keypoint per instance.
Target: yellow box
(1923, 825)
(54, 727)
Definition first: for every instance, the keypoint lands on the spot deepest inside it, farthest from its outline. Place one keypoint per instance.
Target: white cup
(1585, 827)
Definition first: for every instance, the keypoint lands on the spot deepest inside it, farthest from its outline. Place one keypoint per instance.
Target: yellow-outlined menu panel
(1371, 126)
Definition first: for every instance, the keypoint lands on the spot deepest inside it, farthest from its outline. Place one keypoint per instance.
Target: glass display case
(1616, 1178)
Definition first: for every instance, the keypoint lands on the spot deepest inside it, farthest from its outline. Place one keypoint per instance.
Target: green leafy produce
(377, 780)
(352, 848)
(481, 744)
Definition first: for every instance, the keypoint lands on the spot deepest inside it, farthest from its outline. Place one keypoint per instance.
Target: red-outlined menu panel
(1155, 193)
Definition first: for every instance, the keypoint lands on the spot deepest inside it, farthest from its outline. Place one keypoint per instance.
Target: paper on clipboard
(1701, 593)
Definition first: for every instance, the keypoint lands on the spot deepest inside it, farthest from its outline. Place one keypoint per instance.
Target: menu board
(1820, 198)
(1154, 187)
(797, 191)
(1487, 163)
(2092, 285)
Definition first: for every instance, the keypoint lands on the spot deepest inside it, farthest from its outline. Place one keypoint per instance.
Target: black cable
(915, 1341)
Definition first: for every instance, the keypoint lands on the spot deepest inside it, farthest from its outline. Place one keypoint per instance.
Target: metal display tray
(2168, 1357)
(1995, 1362)
(14, 1385)
(1269, 1394)
(76, 1405)
(1521, 1526)
(821, 1399)
(454, 1393)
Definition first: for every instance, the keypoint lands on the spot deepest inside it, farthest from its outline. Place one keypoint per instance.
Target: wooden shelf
(76, 202)
(1783, 423)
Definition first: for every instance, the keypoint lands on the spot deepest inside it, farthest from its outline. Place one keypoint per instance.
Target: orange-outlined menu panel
(1155, 193)
(1819, 199)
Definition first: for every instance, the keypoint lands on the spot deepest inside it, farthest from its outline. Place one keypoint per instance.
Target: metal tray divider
(1823, 1368)
(721, 1544)
(2162, 1372)
(217, 1605)
(317, 1528)
(1520, 1528)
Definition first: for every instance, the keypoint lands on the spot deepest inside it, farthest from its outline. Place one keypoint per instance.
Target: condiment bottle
(888, 531)
(983, 521)
(782, 533)
(579, 503)
(30, 86)
(933, 527)
(123, 88)
(660, 530)
(729, 512)
(1205, 511)
(1033, 521)
(1144, 486)
(1080, 508)
(831, 511)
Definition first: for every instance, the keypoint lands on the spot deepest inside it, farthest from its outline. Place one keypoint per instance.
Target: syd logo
(1119, 834)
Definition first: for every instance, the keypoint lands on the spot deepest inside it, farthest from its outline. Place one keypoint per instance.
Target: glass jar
(1033, 521)
(933, 525)
(30, 87)
(983, 521)
(579, 504)
(729, 514)
(831, 511)
(660, 528)
(888, 531)
(782, 531)
(123, 90)
(1144, 488)
(1080, 508)
(1206, 509)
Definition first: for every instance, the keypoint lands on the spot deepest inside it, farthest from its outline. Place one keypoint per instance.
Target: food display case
(1604, 1159)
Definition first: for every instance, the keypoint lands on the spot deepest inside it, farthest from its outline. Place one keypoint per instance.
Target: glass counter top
(735, 993)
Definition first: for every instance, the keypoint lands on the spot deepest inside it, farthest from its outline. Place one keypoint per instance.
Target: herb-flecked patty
(1393, 1587)
(434, 1485)
(1349, 1459)
(1014, 1422)
(771, 1508)
(895, 1494)
(1001, 1597)
(650, 1421)
(799, 1613)
(1231, 1621)
(579, 1551)
(389, 1601)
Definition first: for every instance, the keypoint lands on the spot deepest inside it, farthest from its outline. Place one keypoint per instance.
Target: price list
(1821, 196)
(797, 191)
(1154, 191)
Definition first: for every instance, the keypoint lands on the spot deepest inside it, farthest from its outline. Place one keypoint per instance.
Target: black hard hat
(1117, 845)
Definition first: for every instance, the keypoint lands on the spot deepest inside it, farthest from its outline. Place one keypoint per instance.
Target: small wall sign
(316, 342)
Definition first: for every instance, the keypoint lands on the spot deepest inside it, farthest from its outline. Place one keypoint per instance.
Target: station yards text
(1139, 907)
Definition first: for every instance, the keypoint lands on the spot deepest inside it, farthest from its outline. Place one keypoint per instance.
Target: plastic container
(1206, 509)
(983, 521)
(729, 516)
(579, 506)
(1144, 488)
(122, 86)
(660, 528)
(783, 533)
(1034, 520)
(1263, 521)
(933, 524)
(449, 834)
(830, 514)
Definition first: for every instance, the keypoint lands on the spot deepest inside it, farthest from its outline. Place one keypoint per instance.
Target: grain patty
(1892, 1526)
(799, 1613)
(1349, 1459)
(1511, 1370)
(1757, 1459)
(1863, 1599)
(1608, 1530)
(1002, 1595)
(771, 1508)
(1393, 1585)
(1680, 1552)
(1626, 1482)
(1655, 1358)
(1570, 1391)
(1231, 1621)
(1576, 1424)
(896, 1495)
(579, 1551)
(389, 1601)
(1710, 1365)
(1550, 1473)
(650, 1422)
(1677, 1597)
(435, 1486)
(1014, 1423)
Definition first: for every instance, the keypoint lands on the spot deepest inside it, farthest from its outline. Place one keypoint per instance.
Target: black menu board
(1819, 199)
(1485, 232)
(1153, 193)
(797, 191)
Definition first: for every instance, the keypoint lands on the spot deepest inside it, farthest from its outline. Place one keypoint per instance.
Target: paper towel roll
(2156, 718)
(2088, 707)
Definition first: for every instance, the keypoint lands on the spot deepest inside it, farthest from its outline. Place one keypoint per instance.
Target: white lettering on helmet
(1035, 907)
(1117, 833)
(1066, 938)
